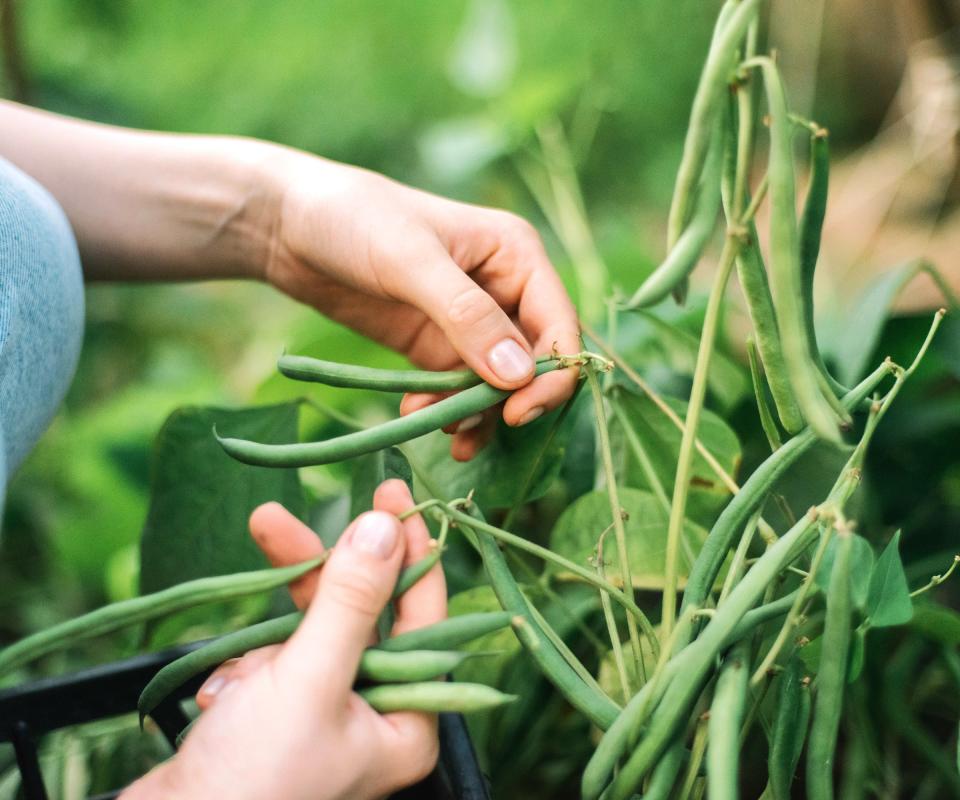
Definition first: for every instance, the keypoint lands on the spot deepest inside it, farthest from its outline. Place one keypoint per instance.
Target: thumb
(474, 323)
(355, 585)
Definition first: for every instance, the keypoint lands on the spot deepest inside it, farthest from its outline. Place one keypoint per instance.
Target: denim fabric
(41, 314)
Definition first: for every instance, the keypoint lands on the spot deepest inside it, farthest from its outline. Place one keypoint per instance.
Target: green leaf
(937, 622)
(861, 567)
(497, 473)
(645, 338)
(201, 499)
(577, 530)
(370, 471)
(661, 440)
(889, 601)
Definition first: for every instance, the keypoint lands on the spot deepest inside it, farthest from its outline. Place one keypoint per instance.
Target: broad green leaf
(661, 440)
(861, 567)
(201, 499)
(578, 529)
(889, 601)
(937, 622)
(370, 471)
(647, 339)
(498, 472)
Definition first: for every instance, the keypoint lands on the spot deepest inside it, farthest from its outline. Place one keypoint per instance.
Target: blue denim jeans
(41, 314)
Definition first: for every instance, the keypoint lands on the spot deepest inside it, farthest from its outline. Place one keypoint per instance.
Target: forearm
(150, 206)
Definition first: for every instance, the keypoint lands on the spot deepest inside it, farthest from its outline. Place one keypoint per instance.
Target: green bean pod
(120, 615)
(831, 675)
(434, 697)
(751, 496)
(726, 717)
(693, 663)
(731, 27)
(787, 283)
(415, 572)
(307, 454)
(789, 730)
(811, 228)
(406, 666)
(593, 704)
(449, 633)
(684, 255)
(232, 645)
(351, 376)
(759, 394)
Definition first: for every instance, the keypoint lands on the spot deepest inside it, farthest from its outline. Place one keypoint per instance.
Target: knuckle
(516, 227)
(472, 308)
(421, 761)
(356, 591)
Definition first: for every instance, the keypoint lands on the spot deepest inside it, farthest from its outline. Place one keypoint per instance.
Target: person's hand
(443, 282)
(283, 722)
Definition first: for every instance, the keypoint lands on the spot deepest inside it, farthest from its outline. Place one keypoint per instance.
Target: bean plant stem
(681, 484)
(616, 510)
(725, 478)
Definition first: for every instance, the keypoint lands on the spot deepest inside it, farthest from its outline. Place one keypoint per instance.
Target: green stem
(681, 484)
(616, 510)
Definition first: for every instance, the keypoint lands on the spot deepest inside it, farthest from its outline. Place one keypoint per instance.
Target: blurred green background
(442, 94)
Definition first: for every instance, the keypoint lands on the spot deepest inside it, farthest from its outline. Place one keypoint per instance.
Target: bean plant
(748, 622)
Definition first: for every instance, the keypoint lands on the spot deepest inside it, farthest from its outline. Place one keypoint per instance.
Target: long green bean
(831, 675)
(120, 615)
(305, 454)
(789, 730)
(350, 376)
(434, 697)
(726, 715)
(786, 286)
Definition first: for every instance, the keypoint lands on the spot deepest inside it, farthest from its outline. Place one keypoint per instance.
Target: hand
(283, 721)
(443, 282)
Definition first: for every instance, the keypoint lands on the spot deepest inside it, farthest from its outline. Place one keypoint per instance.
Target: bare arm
(148, 206)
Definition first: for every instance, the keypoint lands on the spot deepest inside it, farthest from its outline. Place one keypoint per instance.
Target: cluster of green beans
(420, 655)
(475, 397)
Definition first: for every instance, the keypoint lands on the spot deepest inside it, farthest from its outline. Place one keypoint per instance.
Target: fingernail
(510, 361)
(470, 423)
(213, 686)
(376, 533)
(534, 413)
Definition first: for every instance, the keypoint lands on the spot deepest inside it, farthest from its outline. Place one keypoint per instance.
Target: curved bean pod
(140, 609)
(811, 227)
(449, 633)
(594, 705)
(787, 284)
(351, 376)
(726, 716)
(732, 24)
(831, 675)
(789, 730)
(684, 255)
(434, 697)
(415, 572)
(307, 454)
(752, 494)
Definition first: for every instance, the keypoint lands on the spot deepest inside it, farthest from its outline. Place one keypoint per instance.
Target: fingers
(426, 601)
(355, 585)
(285, 540)
(473, 322)
(232, 671)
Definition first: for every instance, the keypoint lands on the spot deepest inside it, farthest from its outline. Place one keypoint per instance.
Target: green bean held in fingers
(434, 697)
(350, 376)
(117, 616)
(307, 454)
